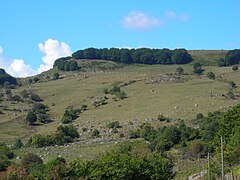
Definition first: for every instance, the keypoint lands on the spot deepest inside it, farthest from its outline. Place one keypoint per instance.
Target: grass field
(174, 100)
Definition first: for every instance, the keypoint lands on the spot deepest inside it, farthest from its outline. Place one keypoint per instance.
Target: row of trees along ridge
(128, 56)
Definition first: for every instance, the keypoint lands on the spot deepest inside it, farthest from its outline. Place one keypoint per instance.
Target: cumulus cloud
(15, 67)
(139, 20)
(18, 68)
(173, 15)
(53, 50)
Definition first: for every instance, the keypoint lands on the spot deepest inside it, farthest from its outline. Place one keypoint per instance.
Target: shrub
(114, 125)
(17, 98)
(66, 119)
(36, 79)
(161, 117)
(43, 118)
(30, 159)
(31, 118)
(35, 97)
(133, 134)
(232, 84)
(69, 130)
(180, 70)
(199, 116)
(211, 75)
(235, 68)
(70, 115)
(95, 133)
(84, 107)
(18, 144)
(39, 106)
(114, 89)
(197, 68)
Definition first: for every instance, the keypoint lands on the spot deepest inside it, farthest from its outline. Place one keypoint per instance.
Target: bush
(69, 130)
(39, 106)
(199, 116)
(35, 98)
(133, 134)
(30, 159)
(43, 118)
(114, 125)
(211, 75)
(18, 144)
(180, 71)
(161, 117)
(66, 119)
(235, 68)
(197, 68)
(70, 115)
(63, 135)
(232, 84)
(84, 107)
(31, 118)
(36, 79)
(95, 133)
(114, 89)
(17, 98)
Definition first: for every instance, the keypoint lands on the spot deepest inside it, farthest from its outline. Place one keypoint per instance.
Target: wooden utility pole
(208, 158)
(223, 176)
(203, 174)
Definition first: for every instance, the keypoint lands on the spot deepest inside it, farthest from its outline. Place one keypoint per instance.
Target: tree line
(141, 55)
(126, 56)
(231, 58)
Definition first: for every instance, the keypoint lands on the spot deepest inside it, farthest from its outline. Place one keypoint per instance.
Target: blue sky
(34, 33)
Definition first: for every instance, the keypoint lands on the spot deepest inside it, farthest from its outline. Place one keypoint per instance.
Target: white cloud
(173, 15)
(18, 68)
(15, 67)
(1, 50)
(53, 50)
(139, 20)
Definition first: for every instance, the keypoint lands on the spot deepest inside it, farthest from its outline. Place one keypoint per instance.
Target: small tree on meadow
(235, 68)
(31, 118)
(232, 84)
(180, 71)
(211, 75)
(197, 68)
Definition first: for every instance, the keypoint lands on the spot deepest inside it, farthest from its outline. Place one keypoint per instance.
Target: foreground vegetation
(159, 113)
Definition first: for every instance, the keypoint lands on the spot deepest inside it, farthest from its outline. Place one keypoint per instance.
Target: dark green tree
(197, 68)
(31, 118)
(73, 66)
(235, 68)
(211, 75)
(180, 71)
(181, 56)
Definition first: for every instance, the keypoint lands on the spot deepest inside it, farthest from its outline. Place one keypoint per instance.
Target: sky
(34, 33)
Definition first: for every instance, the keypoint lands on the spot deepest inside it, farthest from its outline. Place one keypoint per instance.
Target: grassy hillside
(145, 100)
(207, 57)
